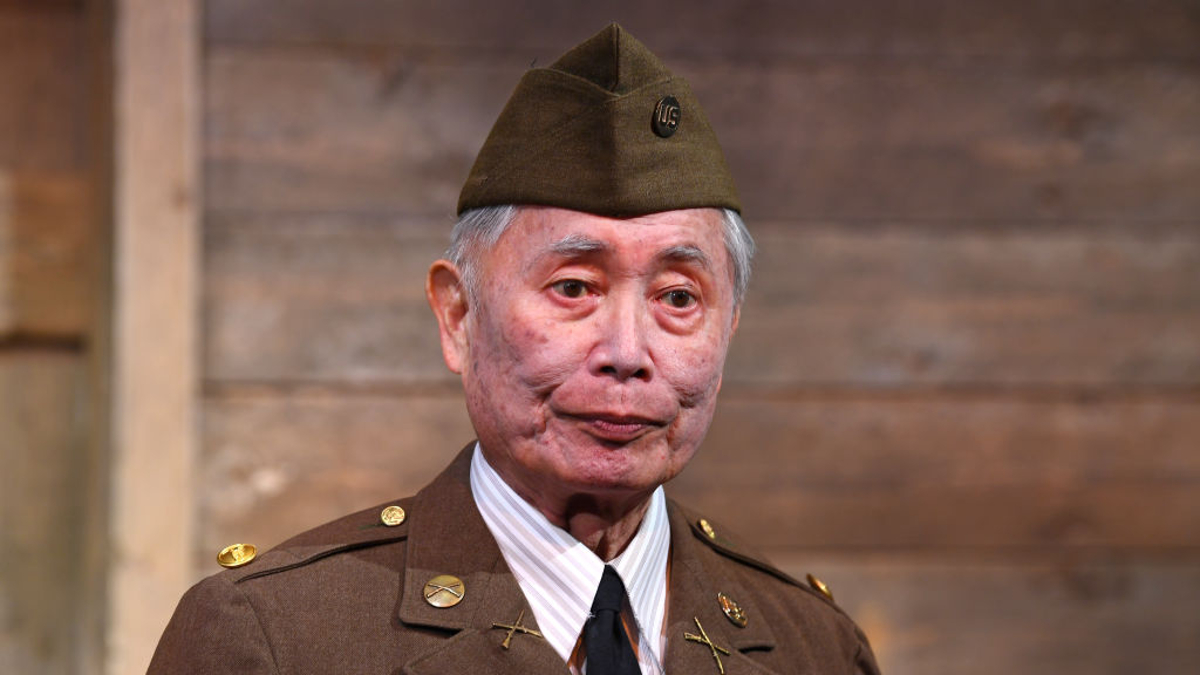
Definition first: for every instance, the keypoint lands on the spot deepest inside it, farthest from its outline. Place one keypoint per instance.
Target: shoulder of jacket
(383, 524)
(717, 538)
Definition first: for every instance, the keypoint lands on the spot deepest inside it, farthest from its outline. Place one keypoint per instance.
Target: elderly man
(588, 299)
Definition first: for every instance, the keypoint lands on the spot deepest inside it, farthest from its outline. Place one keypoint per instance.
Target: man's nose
(622, 350)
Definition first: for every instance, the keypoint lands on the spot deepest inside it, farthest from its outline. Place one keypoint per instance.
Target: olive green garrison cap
(606, 129)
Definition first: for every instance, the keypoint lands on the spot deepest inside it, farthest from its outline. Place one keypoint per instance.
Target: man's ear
(448, 298)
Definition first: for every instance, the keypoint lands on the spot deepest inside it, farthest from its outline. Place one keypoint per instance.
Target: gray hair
(480, 229)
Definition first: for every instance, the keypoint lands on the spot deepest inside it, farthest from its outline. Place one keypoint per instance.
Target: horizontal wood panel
(47, 254)
(321, 298)
(942, 470)
(895, 308)
(321, 130)
(333, 132)
(41, 488)
(891, 472)
(25, 7)
(964, 391)
(43, 100)
(988, 617)
(272, 466)
(1021, 29)
(340, 299)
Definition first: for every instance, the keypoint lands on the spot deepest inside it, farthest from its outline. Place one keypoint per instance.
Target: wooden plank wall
(153, 366)
(48, 235)
(966, 390)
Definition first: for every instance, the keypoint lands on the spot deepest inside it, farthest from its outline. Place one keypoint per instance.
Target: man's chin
(614, 477)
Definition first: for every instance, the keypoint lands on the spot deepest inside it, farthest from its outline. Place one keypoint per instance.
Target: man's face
(592, 357)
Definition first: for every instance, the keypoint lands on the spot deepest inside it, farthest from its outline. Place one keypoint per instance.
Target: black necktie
(604, 637)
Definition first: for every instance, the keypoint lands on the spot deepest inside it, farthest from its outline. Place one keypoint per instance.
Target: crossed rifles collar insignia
(444, 591)
(703, 639)
(515, 628)
(447, 591)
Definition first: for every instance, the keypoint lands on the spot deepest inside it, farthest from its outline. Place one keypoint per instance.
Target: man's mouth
(616, 428)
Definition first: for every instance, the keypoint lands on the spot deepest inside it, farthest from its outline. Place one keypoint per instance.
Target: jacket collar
(697, 577)
(448, 536)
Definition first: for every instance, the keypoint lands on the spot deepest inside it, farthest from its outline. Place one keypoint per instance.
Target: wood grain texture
(892, 472)
(334, 130)
(276, 465)
(744, 30)
(47, 255)
(883, 308)
(352, 287)
(320, 131)
(964, 389)
(952, 470)
(43, 93)
(155, 335)
(902, 307)
(45, 234)
(998, 616)
(42, 445)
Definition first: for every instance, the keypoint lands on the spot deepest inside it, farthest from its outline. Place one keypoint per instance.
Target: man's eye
(679, 299)
(570, 288)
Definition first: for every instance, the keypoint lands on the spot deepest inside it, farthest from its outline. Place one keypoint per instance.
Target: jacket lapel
(693, 598)
(448, 536)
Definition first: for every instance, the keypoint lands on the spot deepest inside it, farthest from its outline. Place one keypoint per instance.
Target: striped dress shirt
(559, 575)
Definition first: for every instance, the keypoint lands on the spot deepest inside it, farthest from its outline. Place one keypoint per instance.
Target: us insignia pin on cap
(666, 116)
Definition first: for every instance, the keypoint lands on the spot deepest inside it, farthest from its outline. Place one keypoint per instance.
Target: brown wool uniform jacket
(347, 597)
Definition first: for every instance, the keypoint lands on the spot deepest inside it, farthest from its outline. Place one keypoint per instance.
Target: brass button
(666, 116)
(707, 529)
(820, 587)
(236, 555)
(444, 591)
(392, 516)
(733, 611)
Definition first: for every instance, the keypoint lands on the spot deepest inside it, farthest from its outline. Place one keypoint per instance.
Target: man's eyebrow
(579, 245)
(687, 253)
(576, 245)
(570, 246)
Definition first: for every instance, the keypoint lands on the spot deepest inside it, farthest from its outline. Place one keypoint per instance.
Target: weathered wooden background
(966, 388)
(48, 265)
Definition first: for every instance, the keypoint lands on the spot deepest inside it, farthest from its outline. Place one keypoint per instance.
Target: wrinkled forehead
(681, 236)
(550, 224)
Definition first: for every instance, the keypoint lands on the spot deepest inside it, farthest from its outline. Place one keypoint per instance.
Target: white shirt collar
(559, 575)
